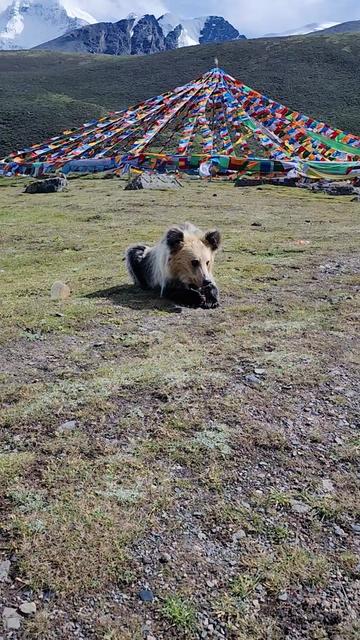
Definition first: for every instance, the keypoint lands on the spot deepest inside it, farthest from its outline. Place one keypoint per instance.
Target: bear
(179, 267)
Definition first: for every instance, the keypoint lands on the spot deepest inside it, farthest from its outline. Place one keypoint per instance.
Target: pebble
(28, 608)
(146, 595)
(339, 531)
(239, 535)
(4, 570)
(70, 425)
(327, 485)
(356, 528)
(283, 597)
(60, 291)
(260, 372)
(165, 558)
(253, 380)
(11, 618)
(299, 507)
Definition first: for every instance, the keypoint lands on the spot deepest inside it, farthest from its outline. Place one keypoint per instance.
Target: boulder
(50, 185)
(60, 291)
(153, 181)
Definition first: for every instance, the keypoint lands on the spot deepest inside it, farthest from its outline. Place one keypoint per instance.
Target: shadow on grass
(130, 296)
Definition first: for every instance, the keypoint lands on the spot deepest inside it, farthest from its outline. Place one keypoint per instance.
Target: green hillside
(42, 93)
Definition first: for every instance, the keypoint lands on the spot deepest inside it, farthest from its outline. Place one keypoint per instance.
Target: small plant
(277, 532)
(215, 439)
(179, 613)
(245, 585)
(278, 498)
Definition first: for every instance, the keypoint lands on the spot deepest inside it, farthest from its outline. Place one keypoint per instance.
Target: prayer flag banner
(216, 115)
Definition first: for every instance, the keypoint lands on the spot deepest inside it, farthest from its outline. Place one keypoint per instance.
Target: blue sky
(252, 18)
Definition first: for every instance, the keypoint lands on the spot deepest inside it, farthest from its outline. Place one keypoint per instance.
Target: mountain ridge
(146, 35)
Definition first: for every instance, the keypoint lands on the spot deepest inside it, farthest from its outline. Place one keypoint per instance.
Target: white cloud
(252, 18)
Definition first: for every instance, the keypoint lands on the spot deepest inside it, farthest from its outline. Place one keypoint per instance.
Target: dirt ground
(173, 475)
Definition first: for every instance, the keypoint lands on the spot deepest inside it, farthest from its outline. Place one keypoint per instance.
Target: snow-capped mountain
(307, 28)
(143, 35)
(27, 23)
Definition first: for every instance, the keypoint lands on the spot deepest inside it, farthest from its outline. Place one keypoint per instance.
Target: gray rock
(146, 595)
(28, 608)
(50, 185)
(60, 291)
(356, 527)
(11, 619)
(4, 570)
(153, 181)
(238, 535)
(339, 531)
(327, 485)
(165, 558)
(252, 380)
(299, 507)
(283, 597)
(70, 425)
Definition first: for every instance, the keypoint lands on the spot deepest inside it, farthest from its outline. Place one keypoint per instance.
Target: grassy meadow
(206, 458)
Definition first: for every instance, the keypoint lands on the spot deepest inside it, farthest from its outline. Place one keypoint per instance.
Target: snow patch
(27, 23)
(191, 28)
(308, 28)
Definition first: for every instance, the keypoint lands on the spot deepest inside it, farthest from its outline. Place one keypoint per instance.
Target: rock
(28, 608)
(50, 185)
(252, 380)
(327, 485)
(239, 535)
(283, 597)
(256, 224)
(165, 558)
(259, 372)
(4, 570)
(146, 595)
(60, 291)
(70, 425)
(153, 181)
(356, 527)
(11, 619)
(339, 531)
(299, 507)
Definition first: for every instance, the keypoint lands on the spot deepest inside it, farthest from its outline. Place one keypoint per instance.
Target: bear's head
(191, 255)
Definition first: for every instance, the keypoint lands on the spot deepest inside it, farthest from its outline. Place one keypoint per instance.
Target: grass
(179, 613)
(170, 449)
(316, 75)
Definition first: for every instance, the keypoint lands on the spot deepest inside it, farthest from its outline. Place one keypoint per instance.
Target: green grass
(171, 450)
(179, 613)
(44, 93)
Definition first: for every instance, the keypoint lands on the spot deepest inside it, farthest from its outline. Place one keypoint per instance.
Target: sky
(251, 18)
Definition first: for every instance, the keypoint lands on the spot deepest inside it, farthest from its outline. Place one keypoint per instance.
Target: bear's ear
(212, 239)
(174, 239)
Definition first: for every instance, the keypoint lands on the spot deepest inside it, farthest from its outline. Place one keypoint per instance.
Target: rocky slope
(134, 36)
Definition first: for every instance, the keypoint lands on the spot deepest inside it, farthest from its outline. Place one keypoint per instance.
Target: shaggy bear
(179, 266)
